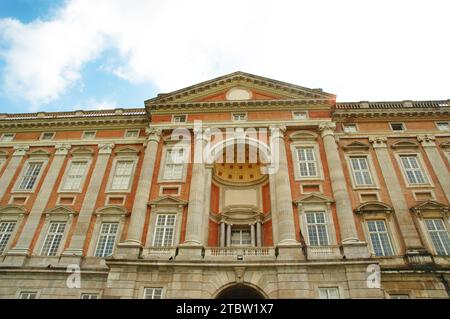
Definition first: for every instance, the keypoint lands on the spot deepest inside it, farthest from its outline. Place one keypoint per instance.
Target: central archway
(240, 291)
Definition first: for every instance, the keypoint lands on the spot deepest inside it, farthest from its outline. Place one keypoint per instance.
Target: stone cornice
(390, 113)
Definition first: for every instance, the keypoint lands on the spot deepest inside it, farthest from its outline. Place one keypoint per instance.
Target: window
(89, 135)
(329, 293)
(153, 293)
(47, 136)
(132, 133)
(317, 229)
(179, 119)
(361, 172)
(106, 239)
(31, 174)
(399, 296)
(7, 137)
(306, 162)
(239, 117)
(241, 237)
(443, 126)
(173, 169)
(122, 175)
(165, 230)
(75, 175)
(397, 127)
(300, 115)
(413, 171)
(379, 238)
(28, 295)
(6, 230)
(53, 240)
(89, 296)
(439, 235)
(350, 128)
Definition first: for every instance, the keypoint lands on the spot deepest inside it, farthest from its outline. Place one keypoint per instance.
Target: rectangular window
(241, 237)
(164, 231)
(379, 237)
(132, 133)
(28, 295)
(7, 137)
(361, 172)
(317, 229)
(239, 117)
(443, 126)
(106, 239)
(179, 119)
(53, 240)
(173, 169)
(439, 235)
(399, 127)
(89, 135)
(6, 230)
(306, 162)
(47, 136)
(29, 179)
(89, 296)
(329, 293)
(75, 175)
(122, 175)
(153, 293)
(413, 171)
(350, 128)
(300, 115)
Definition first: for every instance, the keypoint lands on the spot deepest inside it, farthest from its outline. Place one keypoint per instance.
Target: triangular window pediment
(167, 201)
(356, 146)
(314, 198)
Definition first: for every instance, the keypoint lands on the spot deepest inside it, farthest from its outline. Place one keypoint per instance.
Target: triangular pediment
(314, 198)
(168, 201)
(240, 86)
(374, 207)
(356, 146)
(430, 205)
(61, 210)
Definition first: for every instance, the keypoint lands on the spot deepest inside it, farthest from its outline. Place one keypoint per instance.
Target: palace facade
(241, 186)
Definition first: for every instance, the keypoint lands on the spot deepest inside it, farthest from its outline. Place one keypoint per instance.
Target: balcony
(240, 253)
(323, 252)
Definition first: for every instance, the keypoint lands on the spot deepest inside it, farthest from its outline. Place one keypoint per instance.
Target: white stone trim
(319, 167)
(433, 196)
(87, 159)
(41, 137)
(162, 187)
(129, 130)
(423, 167)
(12, 213)
(360, 194)
(391, 229)
(300, 111)
(33, 159)
(372, 170)
(120, 157)
(434, 214)
(239, 113)
(83, 135)
(162, 164)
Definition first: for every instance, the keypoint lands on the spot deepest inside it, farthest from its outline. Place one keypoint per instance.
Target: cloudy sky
(90, 54)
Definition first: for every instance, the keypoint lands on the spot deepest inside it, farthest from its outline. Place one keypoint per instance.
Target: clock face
(236, 94)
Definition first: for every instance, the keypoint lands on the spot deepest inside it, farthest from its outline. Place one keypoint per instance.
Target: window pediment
(3, 154)
(127, 150)
(314, 199)
(82, 151)
(111, 210)
(374, 207)
(60, 211)
(445, 145)
(356, 146)
(168, 202)
(39, 153)
(13, 210)
(405, 145)
(303, 136)
(431, 206)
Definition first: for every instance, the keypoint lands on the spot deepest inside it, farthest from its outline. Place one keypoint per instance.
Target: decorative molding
(356, 146)
(20, 150)
(13, 210)
(112, 210)
(374, 207)
(60, 210)
(427, 140)
(82, 151)
(303, 136)
(62, 149)
(445, 145)
(430, 206)
(153, 134)
(405, 145)
(327, 128)
(39, 153)
(127, 150)
(378, 141)
(105, 148)
(314, 198)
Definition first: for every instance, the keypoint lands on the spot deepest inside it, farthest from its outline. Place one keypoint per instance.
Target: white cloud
(382, 50)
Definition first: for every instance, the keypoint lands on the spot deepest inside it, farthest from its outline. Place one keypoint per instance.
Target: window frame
(60, 244)
(163, 163)
(394, 236)
(28, 291)
(318, 161)
(294, 117)
(97, 294)
(88, 161)
(13, 214)
(83, 136)
(156, 226)
(440, 122)
(2, 137)
(370, 166)
(325, 225)
(179, 115)
(421, 163)
(321, 288)
(37, 159)
(445, 223)
(100, 234)
(234, 114)
(41, 137)
(397, 123)
(107, 214)
(131, 130)
(388, 232)
(144, 292)
(345, 125)
(118, 158)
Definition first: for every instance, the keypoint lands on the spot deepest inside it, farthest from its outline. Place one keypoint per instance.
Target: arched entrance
(240, 291)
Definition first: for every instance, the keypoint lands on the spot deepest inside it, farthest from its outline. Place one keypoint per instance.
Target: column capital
(153, 134)
(277, 131)
(105, 148)
(62, 149)
(378, 141)
(327, 128)
(427, 140)
(20, 150)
